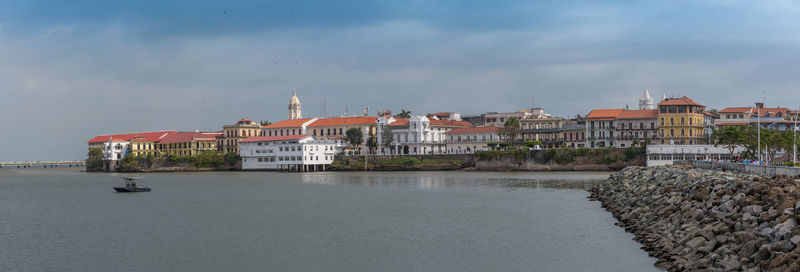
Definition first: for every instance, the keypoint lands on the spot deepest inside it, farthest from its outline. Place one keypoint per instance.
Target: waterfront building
(228, 141)
(287, 153)
(770, 118)
(323, 128)
(574, 135)
(498, 119)
(544, 129)
(415, 135)
(600, 127)
(116, 146)
(636, 127)
(295, 111)
(681, 121)
(666, 154)
(186, 143)
(467, 140)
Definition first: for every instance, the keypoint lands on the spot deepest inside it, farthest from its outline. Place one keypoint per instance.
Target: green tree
(372, 143)
(388, 138)
(94, 160)
(354, 137)
(729, 137)
(265, 123)
(404, 114)
(510, 129)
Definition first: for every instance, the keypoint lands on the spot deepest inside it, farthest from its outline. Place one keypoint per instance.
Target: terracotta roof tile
(182, 137)
(735, 110)
(274, 138)
(341, 121)
(638, 114)
(150, 136)
(288, 123)
(604, 113)
(679, 101)
(450, 123)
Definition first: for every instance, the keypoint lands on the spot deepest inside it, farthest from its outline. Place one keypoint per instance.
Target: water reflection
(441, 180)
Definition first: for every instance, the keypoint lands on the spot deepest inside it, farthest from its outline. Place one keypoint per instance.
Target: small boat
(130, 186)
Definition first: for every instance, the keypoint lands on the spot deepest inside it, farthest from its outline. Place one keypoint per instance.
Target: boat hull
(131, 190)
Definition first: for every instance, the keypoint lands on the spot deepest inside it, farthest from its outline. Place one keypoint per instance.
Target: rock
(788, 211)
(781, 246)
(784, 230)
(731, 264)
(697, 241)
(727, 206)
(753, 210)
(795, 240)
(747, 217)
(764, 253)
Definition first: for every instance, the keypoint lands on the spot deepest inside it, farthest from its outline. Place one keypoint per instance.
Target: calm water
(65, 220)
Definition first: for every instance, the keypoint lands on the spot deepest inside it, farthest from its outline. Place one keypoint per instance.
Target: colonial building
(187, 143)
(636, 127)
(769, 118)
(288, 153)
(574, 135)
(323, 128)
(544, 129)
(116, 146)
(228, 141)
(498, 119)
(295, 111)
(681, 121)
(600, 127)
(470, 139)
(100, 141)
(415, 135)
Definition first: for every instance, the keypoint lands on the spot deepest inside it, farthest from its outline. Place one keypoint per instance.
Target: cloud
(70, 74)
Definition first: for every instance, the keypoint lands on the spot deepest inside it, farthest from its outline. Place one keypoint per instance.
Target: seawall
(698, 219)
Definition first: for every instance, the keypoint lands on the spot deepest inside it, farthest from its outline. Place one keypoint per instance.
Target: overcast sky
(70, 70)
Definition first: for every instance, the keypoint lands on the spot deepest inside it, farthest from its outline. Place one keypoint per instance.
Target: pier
(42, 164)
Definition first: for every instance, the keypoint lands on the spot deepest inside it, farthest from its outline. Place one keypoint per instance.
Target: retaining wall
(764, 170)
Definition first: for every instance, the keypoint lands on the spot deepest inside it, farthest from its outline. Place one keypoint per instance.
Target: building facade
(228, 141)
(416, 135)
(636, 127)
(300, 153)
(187, 143)
(600, 127)
(544, 129)
(665, 154)
(681, 121)
(467, 140)
(574, 135)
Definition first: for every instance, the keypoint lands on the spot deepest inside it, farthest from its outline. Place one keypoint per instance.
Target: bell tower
(294, 106)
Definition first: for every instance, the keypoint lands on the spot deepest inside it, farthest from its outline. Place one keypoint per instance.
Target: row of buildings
(678, 121)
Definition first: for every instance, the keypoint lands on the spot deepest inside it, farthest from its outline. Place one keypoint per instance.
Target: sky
(71, 70)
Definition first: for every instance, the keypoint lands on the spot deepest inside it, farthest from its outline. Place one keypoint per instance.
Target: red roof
(638, 114)
(473, 130)
(679, 101)
(772, 112)
(290, 123)
(341, 121)
(399, 122)
(274, 138)
(735, 110)
(604, 114)
(182, 137)
(141, 136)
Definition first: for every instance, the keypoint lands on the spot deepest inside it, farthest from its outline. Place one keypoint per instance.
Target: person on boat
(133, 184)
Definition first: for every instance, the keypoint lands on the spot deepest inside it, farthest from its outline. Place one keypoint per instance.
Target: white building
(415, 135)
(288, 152)
(668, 154)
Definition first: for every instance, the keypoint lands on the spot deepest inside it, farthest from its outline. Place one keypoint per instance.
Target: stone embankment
(707, 220)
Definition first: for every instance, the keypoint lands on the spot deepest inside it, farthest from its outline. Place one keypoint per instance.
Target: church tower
(646, 102)
(294, 106)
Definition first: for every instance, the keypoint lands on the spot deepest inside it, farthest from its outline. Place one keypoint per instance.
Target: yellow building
(680, 121)
(228, 141)
(187, 143)
(144, 147)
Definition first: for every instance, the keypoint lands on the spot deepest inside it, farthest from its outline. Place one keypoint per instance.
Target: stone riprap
(707, 220)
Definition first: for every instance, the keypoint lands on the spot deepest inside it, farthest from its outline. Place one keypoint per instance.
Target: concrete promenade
(764, 170)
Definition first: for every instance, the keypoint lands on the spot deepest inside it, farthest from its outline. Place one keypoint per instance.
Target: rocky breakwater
(694, 219)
